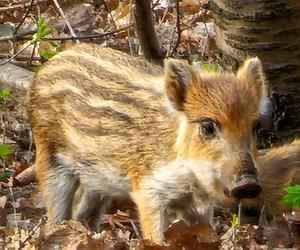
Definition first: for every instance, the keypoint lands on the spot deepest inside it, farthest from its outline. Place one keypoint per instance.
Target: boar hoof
(246, 188)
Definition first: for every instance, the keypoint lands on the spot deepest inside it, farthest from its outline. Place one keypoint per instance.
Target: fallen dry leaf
(190, 6)
(65, 236)
(196, 237)
(277, 234)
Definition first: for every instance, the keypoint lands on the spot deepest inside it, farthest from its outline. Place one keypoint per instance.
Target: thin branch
(41, 222)
(32, 54)
(24, 17)
(34, 46)
(87, 36)
(24, 36)
(14, 56)
(21, 6)
(20, 35)
(240, 213)
(109, 13)
(164, 15)
(66, 20)
(21, 57)
(178, 28)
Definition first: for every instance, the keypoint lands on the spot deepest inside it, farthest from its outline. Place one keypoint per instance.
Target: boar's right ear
(179, 76)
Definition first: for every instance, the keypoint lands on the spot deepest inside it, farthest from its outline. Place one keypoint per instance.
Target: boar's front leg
(91, 208)
(153, 215)
(58, 185)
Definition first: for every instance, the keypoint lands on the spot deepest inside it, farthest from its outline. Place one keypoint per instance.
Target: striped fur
(119, 127)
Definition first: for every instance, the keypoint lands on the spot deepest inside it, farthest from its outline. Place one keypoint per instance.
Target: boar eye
(208, 129)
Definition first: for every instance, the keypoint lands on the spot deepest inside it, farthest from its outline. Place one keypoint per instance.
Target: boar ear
(251, 72)
(179, 76)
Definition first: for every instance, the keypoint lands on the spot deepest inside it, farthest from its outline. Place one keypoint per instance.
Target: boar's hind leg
(91, 208)
(59, 188)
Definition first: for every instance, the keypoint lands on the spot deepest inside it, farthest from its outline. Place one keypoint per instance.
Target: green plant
(42, 32)
(234, 221)
(4, 176)
(47, 54)
(292, 196)
(210, 68)
(4, 151)
(4, 94)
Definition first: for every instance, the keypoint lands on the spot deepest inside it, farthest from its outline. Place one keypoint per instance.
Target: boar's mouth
(247, 185)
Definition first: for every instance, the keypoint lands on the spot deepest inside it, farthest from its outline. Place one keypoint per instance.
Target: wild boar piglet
(121, 127)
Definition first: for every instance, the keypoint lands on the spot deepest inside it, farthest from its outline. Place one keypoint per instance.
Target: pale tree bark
(269, 29)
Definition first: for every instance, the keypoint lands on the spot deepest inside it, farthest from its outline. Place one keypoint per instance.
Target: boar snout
(247, 185)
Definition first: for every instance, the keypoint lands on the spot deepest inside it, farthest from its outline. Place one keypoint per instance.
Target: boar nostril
(246, 188)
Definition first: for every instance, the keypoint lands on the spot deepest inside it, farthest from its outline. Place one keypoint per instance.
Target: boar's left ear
(251, 72)
(179, 76)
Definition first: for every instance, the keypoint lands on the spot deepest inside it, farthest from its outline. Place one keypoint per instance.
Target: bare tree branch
(15, 55)
(24, 17)
(66, 20)
(27, 35)
(109, 13)
(18, 36)
(21, 6)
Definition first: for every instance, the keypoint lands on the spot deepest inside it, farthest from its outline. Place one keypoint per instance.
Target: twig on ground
(165, 14)
(136, 230)
(21, 6)
(13, 204)
(30, 137)
(21, 57)
(18, 36)
(205, 39)
(66, 20)
(32, 53)
(34, 46)
(24, 17)
(41, 222)
(178, 28)
(239, 213)
(15, 55)
(109, 13)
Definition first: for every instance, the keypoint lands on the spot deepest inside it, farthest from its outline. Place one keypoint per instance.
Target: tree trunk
(269, 29)
(153, 50)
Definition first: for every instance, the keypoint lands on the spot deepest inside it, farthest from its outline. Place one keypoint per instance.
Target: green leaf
(4, 176)
(292, 196)
(234, 221)
(4, 94)
(4, 151)
(45, 32)
(210, 68)
(53, 43)
(48, 54)
(42, 32)
(40, 23)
